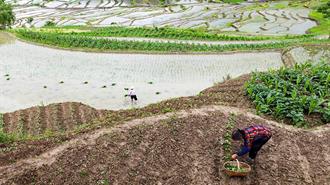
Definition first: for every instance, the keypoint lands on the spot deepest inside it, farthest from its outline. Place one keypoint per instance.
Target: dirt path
(19, 169)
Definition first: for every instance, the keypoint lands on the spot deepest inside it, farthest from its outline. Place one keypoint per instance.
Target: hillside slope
(176, 148)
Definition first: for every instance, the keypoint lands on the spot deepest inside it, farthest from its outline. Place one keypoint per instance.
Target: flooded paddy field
(33, 75)
(182, 14)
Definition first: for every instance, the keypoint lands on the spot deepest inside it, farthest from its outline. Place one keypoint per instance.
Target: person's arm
(244, 150)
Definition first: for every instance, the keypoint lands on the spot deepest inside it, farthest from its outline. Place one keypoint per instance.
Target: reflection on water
(31, 75)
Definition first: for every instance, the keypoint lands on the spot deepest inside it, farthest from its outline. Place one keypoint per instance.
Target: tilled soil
(179, 148)
(57, 117)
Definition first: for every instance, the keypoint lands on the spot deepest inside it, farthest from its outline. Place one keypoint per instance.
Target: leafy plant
(227, 140)
(73, 41)
(292, 93)
(7, 16)
(235, 168)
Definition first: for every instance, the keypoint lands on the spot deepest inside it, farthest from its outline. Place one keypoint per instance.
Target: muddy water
(30, 75)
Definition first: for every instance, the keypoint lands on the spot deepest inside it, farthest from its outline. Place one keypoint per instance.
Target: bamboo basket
(239, 165)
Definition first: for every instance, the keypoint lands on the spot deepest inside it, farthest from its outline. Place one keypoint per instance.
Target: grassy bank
(321, 15)
(4, 137)
(104, 45)
(164, 33)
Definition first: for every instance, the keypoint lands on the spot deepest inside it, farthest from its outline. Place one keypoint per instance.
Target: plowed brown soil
(56, 117)
(179, 148)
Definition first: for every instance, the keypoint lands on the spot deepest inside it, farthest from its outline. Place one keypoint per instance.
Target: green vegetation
(7, 16)
(293, 93)
(227, 140)
(233, 1)
(280, 6)
(99, 44)
(4, 137)
(234, 168)
(322, 16)
(325, 9)
(49, 24)
(30, 20)
(164, 32)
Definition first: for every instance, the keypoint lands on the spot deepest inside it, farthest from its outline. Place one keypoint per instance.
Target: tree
(7, 16)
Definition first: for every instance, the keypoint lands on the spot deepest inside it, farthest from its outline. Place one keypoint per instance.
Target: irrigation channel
(33, 75)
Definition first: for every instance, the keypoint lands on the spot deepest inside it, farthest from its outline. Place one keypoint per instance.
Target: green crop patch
(163, 32)
(297, 93)
(105, 44)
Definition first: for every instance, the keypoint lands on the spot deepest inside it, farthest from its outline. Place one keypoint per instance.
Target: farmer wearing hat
(132, 94)
(254, 137)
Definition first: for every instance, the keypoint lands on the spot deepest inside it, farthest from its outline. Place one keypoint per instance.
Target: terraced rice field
(183, 14)
(40, 76)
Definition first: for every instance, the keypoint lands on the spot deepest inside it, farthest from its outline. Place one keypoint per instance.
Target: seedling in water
(6, 74)
(150, 82)
(8, 79)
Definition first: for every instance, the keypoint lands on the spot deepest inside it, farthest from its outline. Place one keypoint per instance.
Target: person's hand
(234, 156)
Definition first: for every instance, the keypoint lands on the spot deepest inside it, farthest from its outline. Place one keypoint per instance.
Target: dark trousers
(133, 97)
(256, 146)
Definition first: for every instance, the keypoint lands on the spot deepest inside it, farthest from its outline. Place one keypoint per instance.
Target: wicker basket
(240, 165)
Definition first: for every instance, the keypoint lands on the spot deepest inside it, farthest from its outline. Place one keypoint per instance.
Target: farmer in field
(254, 137)
(132, 94)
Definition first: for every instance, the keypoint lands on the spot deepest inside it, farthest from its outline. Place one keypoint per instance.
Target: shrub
(7, 16)
(50, 24)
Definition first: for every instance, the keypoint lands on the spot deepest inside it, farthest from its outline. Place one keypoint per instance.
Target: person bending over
(132, 94)
(253, 137)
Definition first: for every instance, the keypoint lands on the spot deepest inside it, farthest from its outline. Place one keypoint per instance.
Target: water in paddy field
(30, 75)
(182, 14)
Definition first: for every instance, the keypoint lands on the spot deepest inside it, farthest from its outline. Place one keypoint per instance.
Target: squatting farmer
(253, 137)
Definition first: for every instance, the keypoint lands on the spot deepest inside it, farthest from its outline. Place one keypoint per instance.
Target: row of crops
(70, 41)
(168, 33)
(296, 93)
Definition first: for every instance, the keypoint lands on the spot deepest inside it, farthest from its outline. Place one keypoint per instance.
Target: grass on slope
(103, 45)
(322, 16)
(164, 32)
